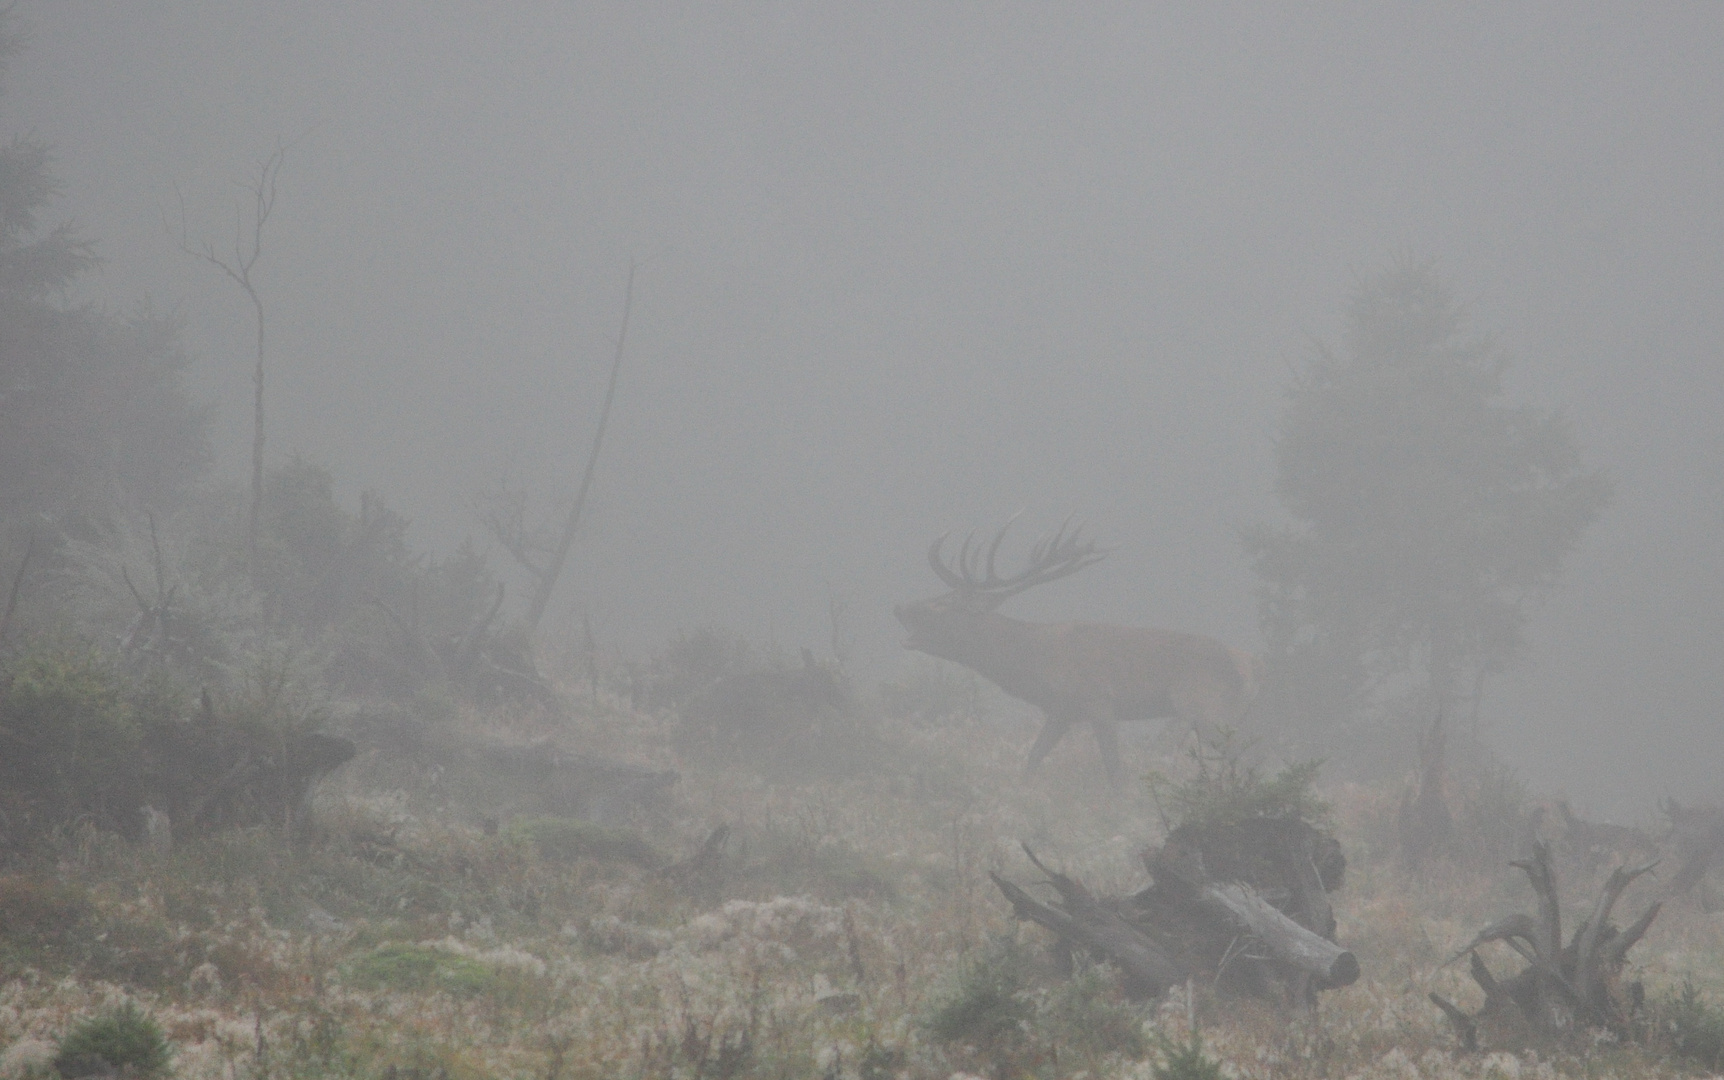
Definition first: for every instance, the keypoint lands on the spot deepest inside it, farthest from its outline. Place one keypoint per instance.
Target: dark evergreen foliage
(1427, 514)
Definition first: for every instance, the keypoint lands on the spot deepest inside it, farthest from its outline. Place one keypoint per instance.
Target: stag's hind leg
(1107, 740)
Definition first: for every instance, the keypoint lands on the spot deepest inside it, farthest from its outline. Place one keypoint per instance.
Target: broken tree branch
(548, 581)
(1148, 970)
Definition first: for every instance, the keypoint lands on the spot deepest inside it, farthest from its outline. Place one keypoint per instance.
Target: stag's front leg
(1107, 740)
(1053, 730)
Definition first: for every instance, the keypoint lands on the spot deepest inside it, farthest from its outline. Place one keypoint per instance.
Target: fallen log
(1231, 913)
(1285, 939)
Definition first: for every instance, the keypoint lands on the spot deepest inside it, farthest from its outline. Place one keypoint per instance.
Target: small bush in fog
(125, 1041)
(1088, 1014)
(71, 743)
(1694, 1026)
(1495, 817)
(1185, 1061)
(786, 719)
(989, 1006)
(690, 664)
(994, 1011)
(1224, 791)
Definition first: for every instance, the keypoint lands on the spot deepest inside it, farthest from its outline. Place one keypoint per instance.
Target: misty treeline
(1424, 515)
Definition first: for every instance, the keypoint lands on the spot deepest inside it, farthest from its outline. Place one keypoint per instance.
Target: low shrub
(124, 1040)
(69, 741)
(1088, 1014)
(1225, 791)
(989, 1008)
(1185, 1061)
(1694, 1026)
(994, 1011)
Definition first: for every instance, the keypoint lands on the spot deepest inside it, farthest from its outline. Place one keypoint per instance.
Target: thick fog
(909, 269)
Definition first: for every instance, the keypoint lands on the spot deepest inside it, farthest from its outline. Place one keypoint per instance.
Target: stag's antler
(1057, 556)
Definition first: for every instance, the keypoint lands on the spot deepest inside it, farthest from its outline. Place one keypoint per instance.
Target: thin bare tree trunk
(17, 586)
(255, 524)
(547, 582)
(238, 267)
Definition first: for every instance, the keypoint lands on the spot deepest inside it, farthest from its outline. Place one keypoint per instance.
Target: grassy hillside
(842, 924)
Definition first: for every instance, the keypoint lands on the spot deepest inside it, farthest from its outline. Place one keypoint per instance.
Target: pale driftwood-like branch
(1547, 939)
(1587, 938)
(1289, 942)
(1509, 928)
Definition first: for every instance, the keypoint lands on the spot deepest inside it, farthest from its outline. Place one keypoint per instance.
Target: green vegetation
(988, 1006)
(1185, 1061)
(999, 1013)
(69, 737)
(123, 1040)
(410, 967)
(1222, 790)
(1694, 1026)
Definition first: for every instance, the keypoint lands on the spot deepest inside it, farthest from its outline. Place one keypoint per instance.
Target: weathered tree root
(1563, 989)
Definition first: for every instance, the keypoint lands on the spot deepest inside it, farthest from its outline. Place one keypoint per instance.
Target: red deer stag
(1076, 673)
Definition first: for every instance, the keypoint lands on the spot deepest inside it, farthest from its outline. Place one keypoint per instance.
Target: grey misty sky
(910, 268)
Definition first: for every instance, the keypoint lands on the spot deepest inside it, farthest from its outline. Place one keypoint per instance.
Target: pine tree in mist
(1427, 516)
(93, 413)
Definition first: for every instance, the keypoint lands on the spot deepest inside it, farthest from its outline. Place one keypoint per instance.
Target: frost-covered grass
(851, 917)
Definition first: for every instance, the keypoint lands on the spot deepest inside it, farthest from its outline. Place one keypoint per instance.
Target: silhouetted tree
(238, 267)
(535, 547)
(1427, 514)
(93, 413)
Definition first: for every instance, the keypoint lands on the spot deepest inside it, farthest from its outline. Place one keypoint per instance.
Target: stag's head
(947, 624)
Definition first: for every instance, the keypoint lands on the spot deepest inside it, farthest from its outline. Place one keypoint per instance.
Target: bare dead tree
(238, 267)
(1424, 823)
(1563, 989)
(535, 546)
(17, 586)
(548, 581)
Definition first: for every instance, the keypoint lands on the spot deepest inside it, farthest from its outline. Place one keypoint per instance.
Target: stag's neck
(1008, 652)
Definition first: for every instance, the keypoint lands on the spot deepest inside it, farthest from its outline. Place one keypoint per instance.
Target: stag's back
(1146, 673)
